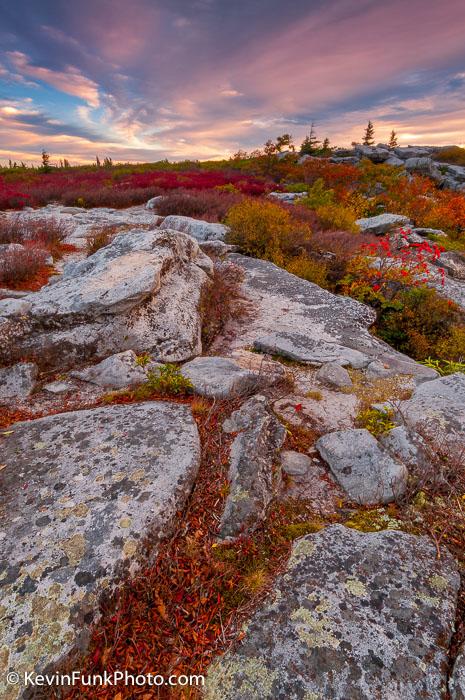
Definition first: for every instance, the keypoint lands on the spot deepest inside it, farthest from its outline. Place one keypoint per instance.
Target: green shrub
(444, 367)
(377, 422)
(318, 195)
(166, 380)
(422, 324)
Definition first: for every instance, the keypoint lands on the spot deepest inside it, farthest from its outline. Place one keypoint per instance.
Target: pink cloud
(70, 81)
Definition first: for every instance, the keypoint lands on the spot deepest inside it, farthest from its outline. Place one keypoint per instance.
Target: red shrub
(211, 205)
(18, 264)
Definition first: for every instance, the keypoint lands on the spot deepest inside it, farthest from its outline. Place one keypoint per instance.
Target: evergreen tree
(369, 136)
(310, 144)
(97, 161)
(393, 140)
(283, 141)
(326, 147)
(46, 167)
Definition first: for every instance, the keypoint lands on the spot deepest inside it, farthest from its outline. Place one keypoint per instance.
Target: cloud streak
(165, 78)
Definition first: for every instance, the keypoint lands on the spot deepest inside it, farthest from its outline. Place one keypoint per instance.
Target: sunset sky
(142, 80)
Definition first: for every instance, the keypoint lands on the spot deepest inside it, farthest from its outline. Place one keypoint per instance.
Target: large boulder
(221, 377)
(303, 322)
(354, 615)
(18, 381)
(406, 152)
(377, 154)
(117, 371)
(423, 166)
(80, 492)
(141, 292)
(453, 263)
(383, 223)
(200, 230)
(365, 471)
(287, 197)
(437, 408)
(251, 469)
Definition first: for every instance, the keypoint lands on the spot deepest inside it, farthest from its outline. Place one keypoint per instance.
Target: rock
(80, 492)
(457, 678)
(374, 153)
(252, 458)
(220, 377)
(407, 447)
(152, 203)
(376, 370)
(80, 223)
(383, 223)
(366, 472)
(14, 307)
(18, 381)
(200, 230)
(270, 371)
(394, 161)
(312, 352)
(115, 372)
(423, 166)
(12, 293)
(295, 463)
(303, 322)
(321, 411)
(456, 171)
(59, 387)
(333, 376)
(354, 615)
(426, 232)
(288, 197)
(140, 292)
(406, 152)
(437, 408)
(217, 248)
(347, 160)
(453, 263)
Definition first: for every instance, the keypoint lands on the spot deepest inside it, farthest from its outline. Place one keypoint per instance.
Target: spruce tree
(369, 136)
(393, 140)
(310, 144)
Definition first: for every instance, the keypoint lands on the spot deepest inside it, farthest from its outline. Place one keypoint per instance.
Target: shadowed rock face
(140, 292)
(353, 616)
(79, 491)
(457, 679)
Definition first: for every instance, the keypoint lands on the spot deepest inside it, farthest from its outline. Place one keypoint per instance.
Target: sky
(143, 80)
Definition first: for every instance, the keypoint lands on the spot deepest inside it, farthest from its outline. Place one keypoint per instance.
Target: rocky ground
(102, 446)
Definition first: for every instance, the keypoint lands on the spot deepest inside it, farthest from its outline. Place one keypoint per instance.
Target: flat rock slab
(220, 377)
(364, 470)
(78, 493)
(383, 223)
(438, 408)
(198, 229)
(299, 320)
(354, 615)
